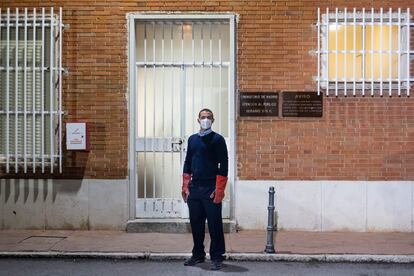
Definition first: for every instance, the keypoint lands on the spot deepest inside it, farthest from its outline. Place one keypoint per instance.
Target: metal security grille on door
(181, 67)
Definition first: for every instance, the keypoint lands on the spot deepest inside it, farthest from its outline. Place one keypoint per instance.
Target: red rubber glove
(221, 182)
(185, 192)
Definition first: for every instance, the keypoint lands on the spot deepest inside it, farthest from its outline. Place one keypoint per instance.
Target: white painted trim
(131, 18)
(181, 16)
(131, 117)
(232, 112)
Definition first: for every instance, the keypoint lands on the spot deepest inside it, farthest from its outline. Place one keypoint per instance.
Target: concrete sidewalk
(244, 245)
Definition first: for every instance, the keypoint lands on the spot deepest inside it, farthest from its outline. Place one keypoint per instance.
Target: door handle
(177, 141)
(176, 144)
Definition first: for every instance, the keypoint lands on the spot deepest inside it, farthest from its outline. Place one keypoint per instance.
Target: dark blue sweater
(206, 158)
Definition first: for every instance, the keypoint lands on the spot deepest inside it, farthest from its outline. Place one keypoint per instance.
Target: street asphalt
(91, 267)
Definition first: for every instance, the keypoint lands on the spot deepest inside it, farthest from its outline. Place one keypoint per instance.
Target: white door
(182, 66)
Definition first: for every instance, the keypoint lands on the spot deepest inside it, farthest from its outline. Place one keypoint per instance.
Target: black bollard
(270, 248)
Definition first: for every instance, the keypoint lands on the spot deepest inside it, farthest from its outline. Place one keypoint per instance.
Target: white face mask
(205, 123)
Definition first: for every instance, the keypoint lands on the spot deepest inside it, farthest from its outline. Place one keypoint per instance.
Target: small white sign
(76, 136)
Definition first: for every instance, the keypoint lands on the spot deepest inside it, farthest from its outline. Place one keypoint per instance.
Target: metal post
(270, 248)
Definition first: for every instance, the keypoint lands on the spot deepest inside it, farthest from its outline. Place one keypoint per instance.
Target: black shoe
(216, 265)
(193, 261)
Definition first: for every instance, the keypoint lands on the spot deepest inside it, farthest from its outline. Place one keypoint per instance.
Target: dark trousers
(202, 208)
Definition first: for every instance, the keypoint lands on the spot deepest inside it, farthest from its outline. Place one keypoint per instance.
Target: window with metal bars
(31, 90)
(365, 52)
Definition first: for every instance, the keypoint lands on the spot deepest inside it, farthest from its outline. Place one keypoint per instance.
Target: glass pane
(149, 38)
(375, 60)
(372, 42)
(2, 134)
(158, 109)
(33, 93)
(139, 42)
(178, 41)
(204, 90)
(46, 141)
(36, 134)
(29, 43)
(159, 172)
(3, 96)
(221, 32)
(345, 42)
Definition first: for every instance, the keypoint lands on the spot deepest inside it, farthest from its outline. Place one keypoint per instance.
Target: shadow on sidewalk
(226, 267)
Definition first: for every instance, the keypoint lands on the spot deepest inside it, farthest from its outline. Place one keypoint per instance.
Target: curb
(65, 254)
(323, 258)
(257, 257)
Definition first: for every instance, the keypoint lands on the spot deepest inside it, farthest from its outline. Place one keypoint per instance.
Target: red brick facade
(357, 138)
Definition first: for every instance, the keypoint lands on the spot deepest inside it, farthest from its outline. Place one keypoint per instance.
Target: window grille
(31, 90)
(364, 51)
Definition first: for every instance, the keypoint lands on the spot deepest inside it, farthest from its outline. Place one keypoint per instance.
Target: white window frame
(363, 85)
(50, 26)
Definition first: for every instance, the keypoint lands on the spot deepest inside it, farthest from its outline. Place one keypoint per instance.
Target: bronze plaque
(302, 104)
(259, 104)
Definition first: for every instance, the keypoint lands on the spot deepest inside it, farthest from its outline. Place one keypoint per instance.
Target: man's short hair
(207, 110)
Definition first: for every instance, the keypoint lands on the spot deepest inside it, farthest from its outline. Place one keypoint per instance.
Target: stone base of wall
(364, 206)
(63, 204)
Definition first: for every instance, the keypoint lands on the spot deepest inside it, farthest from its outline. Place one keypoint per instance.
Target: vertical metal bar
(345, 48)
(211, 59)
(231, 92)
(16, 92)
(193, 84)
(7, 90)
(60, 89)
(33, 93)
(153, 111)
(145, 110)
(42, 91)
(408, 52)
(202, 65)
(182, 97)
(52, 38)
(381, 49)
(1, 37)
(363, 51)
(336, 52)
(390, 54)
(319, 53)
(372, 51)
(327, 52)
(182, 44)
(399, 52)
(220, 80)
(24, 92)
(172, 99)
(163, 106)
(355, 50)
(132, 152)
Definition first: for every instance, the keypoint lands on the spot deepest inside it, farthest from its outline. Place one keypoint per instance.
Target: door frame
(132, 162)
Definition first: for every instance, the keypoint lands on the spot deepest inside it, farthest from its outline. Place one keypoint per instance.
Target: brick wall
(358, 138)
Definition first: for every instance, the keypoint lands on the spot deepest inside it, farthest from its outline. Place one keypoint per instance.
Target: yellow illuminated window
(344, 65)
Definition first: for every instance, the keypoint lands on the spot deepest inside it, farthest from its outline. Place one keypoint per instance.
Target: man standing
(204, 181)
